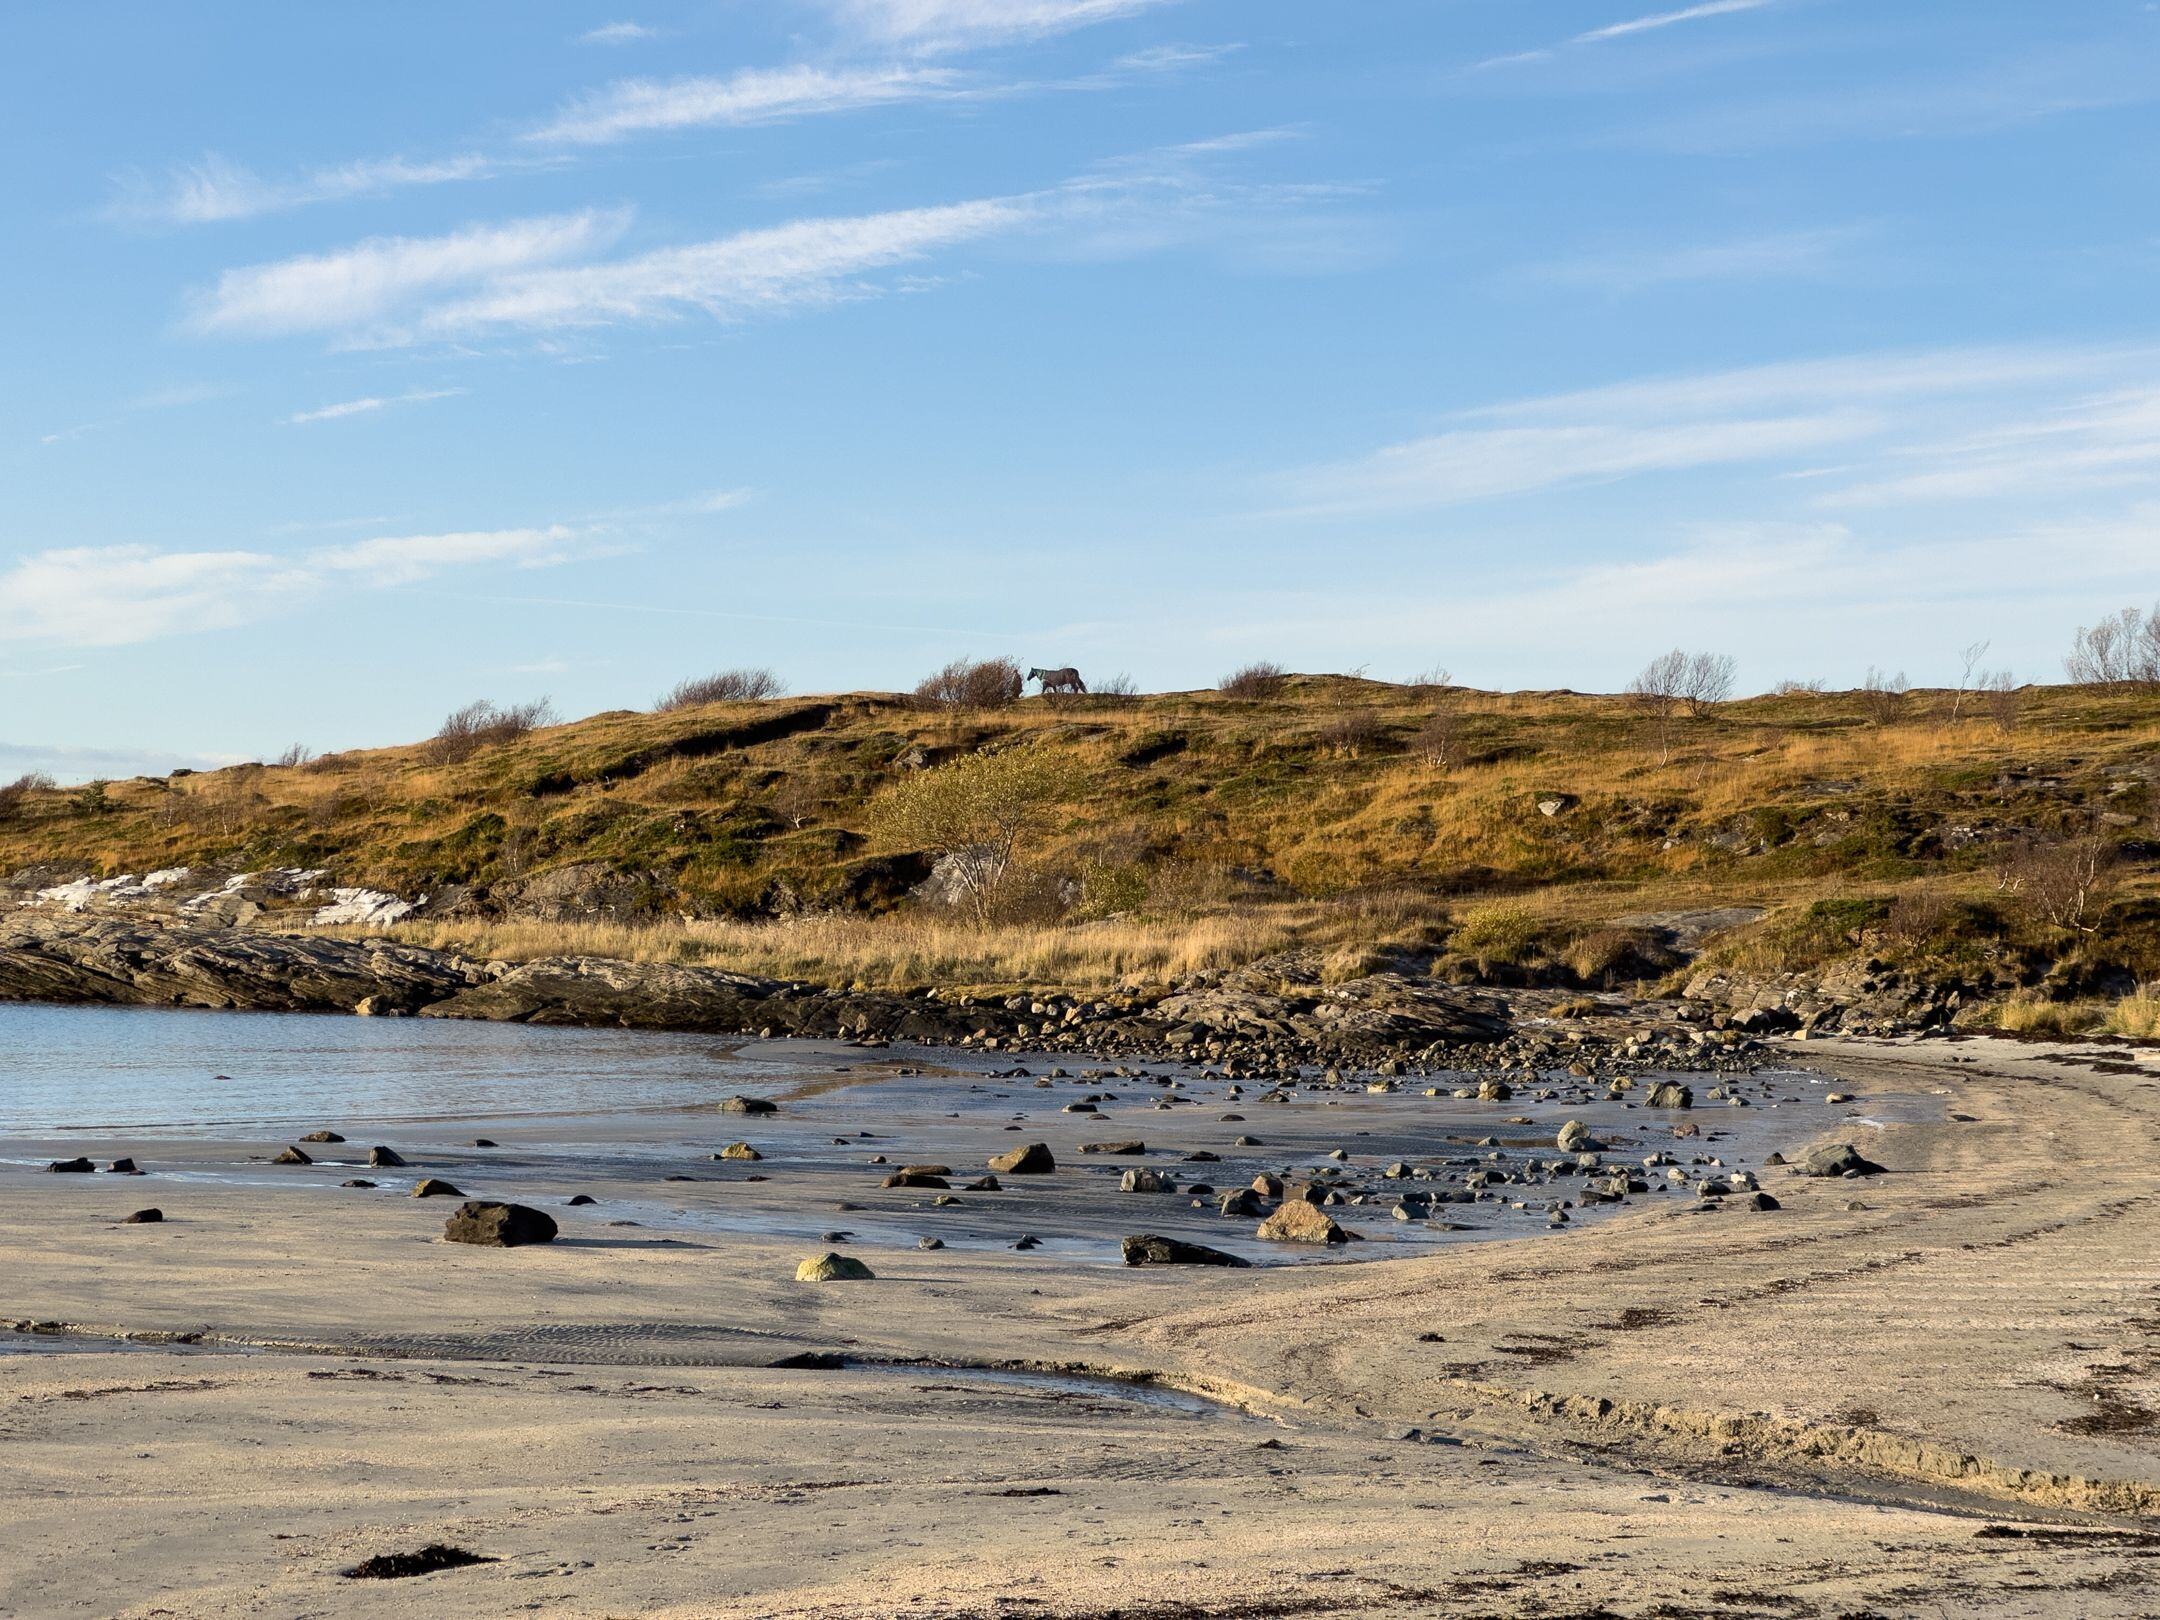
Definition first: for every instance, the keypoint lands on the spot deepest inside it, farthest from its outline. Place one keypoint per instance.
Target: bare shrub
(2123, 650)
(1882, 697)
(17, 793)
(2060, 884)
(1255, 681)
(729, 686)
(1439, 740)
(1350, 733)
(1917, 916)
(1120, 685)
(968, 683)
(483, 725)
(2003, 700)
(1435, 679)
(1799, 688)
(1682, 680)
(294, 757)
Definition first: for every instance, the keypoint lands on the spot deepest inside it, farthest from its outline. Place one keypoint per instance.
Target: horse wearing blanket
(1058, 680)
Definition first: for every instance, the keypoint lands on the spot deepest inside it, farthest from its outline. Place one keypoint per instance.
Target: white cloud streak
(960, 24)
(364, 407)
(618, 33)
(1785, 254)
(754, 96)
(1626, 28)
(1668, 19)
(374, 279)
(512, 278)
(115, 596)
(214, 191)
(1951, 424)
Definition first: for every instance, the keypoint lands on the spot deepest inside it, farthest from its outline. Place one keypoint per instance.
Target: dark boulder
(430, 1187)
(1150, 1250)
(1032, 1160)
(71, 1167)
(382, 1158)
(748, 1105)
(322, 1136)
(498, 1226)
(145, 1217)
(292, 1155)
(1838, 1159)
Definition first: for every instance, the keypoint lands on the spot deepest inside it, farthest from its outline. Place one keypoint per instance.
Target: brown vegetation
(728, 686)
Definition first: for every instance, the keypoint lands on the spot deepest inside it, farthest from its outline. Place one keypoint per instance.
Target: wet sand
(1818, 1410)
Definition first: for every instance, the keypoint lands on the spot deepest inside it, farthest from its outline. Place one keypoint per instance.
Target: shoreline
(1734, 1396)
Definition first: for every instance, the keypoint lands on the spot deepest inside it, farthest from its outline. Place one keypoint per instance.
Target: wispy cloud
(1780, 254)
(957, 24)
(1892, 418)
(754, 96)
(114, 596)
(363, 407)
(767, 272)
(618, 33)
(376, 278)
(513, 278)
(1668, 19)
(1626, 27)
(214, 190)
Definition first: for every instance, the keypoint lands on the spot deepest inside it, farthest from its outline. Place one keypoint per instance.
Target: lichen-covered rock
(833, 1268)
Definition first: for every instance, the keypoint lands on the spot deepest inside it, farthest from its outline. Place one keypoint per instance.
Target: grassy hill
(1515, 835)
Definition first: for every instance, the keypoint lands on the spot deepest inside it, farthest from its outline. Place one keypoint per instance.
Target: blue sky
(361, 361)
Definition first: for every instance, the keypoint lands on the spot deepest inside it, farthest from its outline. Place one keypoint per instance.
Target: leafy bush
(729, 686)
(1499, 932)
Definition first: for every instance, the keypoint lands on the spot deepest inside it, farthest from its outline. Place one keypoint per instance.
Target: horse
(1058, 680)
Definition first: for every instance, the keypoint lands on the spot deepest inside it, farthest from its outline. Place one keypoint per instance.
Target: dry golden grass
(892, 953)
(2136, 1015)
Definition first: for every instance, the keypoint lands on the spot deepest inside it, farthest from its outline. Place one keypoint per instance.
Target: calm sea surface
(134, 1069)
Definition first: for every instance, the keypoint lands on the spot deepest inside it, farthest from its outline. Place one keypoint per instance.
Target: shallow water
(149, 1069)
(203, 1100)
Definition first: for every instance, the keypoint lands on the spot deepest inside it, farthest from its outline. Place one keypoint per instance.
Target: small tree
(2060, 883)
(1677, 682)
(1971, 678)
(2120, 651)
(977, 812)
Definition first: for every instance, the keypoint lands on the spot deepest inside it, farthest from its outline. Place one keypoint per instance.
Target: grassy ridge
(1513, 827)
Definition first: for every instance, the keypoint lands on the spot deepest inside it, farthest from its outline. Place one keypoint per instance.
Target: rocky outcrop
(1854, 998)
(130, 961)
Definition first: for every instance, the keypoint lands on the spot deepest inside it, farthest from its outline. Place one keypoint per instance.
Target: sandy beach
(1820, 1410)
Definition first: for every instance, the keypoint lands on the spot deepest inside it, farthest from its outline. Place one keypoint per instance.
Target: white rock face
(370, 908)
